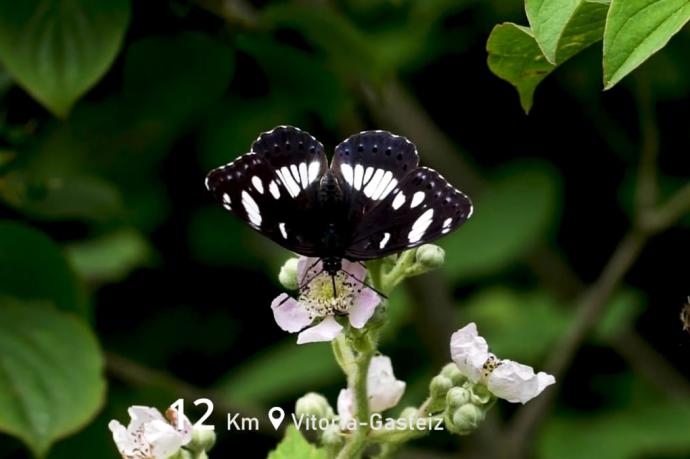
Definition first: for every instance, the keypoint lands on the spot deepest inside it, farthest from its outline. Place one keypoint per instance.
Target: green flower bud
(202, 440)
(430, 256)
(480, 394)
(457, 396)
(439, 386)
(313, 404)
(332, 436)
(288, 274)
(467, 418)
(452, 372)
(409, 412)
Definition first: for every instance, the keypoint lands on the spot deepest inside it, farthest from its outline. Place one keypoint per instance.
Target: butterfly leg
(381, 294)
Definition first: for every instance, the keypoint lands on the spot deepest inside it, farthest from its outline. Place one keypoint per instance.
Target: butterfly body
(373, 200)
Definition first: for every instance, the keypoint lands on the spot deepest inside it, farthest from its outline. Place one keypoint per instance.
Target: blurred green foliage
(111, 113)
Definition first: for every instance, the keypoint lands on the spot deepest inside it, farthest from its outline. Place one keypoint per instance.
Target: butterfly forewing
(368, 166)
(422, 208)
(274, 188)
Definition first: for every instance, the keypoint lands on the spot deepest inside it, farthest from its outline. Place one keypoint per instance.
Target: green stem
(393, 277)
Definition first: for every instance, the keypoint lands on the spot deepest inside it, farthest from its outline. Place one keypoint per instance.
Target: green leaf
(109, 258)
(33, 268)
(283, 370)
(515, 54)
(565, 27)
(294, 446)
(512, 215)
(58, 49)
(51, 374)
(620, 314)
(518, 326)
(636, 29)
(62, 198)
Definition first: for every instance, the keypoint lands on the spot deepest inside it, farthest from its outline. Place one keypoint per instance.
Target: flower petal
(363, 307)
(346, 411)
(383, 389)
(126, 443)
(184, 428)
(469, 351)
(163, 438)
(314, 266)
(357, 270)
(516, 382)
(289, 314)
(324, 331)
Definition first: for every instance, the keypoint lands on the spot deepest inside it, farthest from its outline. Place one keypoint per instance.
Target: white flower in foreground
(383, 389)
(313, 313)
(505, 379)
(149, 435)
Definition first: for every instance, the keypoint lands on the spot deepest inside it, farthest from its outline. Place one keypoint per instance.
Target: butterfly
(372, 201)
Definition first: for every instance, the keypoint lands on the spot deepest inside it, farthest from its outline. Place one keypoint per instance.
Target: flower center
(489, 366)
(320, 300)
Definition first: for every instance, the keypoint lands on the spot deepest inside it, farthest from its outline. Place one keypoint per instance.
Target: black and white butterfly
(372, 201)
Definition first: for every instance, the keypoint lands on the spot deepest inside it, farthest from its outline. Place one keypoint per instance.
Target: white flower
(313, 313)
(383, 390)
(506, 379)
(149, 435)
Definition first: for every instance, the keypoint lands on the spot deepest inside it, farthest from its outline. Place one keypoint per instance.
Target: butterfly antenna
(379, 293)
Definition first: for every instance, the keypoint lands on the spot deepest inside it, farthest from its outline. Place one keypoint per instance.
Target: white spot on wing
(446, 225)
(288, 181)
(384, 241)
(258, 184)
(383, 184)
(314, 167)
(367, 174)
(251, 208)
(281, 225)
(346, 169)
(295, 173)
(420, 226)
(303, 177)
(226, 199)
(389, 188)
(373, 183)
(359, 174)
(273, 188)
(417, 199)
(399, 200)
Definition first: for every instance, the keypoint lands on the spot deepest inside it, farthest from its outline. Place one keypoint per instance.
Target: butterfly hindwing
(274, 188)
(422, 208)
(369, 165)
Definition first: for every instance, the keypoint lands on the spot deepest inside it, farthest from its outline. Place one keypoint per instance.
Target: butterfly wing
(274, 187)
(368, 166)
(420, 209)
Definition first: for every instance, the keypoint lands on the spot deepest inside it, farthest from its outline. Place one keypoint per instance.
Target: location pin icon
(276, 416)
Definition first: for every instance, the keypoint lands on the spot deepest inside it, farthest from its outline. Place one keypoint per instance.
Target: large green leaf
(518, 326)
(636, 29)
(51, 381)
(509, 218)
(58, 49)
(33, 268)
(62, 197)
(294, 446)
(110, 257)
(515, 54)
(564, 27)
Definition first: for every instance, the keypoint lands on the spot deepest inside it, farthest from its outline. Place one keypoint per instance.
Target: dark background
(190, 294)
